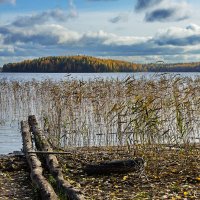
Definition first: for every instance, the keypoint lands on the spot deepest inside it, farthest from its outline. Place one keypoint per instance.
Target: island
(89, 64)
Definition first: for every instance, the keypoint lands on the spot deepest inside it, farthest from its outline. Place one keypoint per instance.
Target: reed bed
(164, 110)
(100, 120)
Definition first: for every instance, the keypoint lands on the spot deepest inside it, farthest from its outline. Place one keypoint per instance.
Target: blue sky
(141, 31)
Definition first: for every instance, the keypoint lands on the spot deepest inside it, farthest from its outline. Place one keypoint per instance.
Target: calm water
(10, 138)
(86, 76)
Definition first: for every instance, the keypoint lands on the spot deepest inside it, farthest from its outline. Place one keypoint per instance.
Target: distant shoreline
(88, 64)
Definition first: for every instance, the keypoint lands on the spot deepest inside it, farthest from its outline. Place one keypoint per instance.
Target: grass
(108, 112)
(157, 119)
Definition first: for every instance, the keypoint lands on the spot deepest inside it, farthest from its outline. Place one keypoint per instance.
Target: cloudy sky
(141, 31)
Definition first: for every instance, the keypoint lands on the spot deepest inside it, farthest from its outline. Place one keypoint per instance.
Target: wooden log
(46, 190)
(52, 162)
(116, 166)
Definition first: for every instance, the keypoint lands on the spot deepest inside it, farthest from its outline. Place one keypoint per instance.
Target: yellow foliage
(185, 193)
(125, 178)
(198, 178)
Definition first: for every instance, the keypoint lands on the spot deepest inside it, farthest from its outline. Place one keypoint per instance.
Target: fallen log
(116, 166)
(52, 162)
(46, 190)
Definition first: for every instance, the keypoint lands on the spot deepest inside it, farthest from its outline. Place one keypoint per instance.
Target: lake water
(87, 76)
(10, 137)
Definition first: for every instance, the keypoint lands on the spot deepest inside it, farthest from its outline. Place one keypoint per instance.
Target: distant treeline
(72, 64)
(175, 67)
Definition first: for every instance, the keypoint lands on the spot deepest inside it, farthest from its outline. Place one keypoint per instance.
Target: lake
(10, 137)
(87, 76)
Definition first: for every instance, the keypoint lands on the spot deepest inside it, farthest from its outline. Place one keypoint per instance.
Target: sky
(141, 31)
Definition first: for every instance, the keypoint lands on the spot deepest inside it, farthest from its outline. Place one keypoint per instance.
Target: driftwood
(116, 166)
(47, 192)
(52, 162)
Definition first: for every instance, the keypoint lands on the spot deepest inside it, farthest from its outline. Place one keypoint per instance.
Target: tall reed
(164, 110)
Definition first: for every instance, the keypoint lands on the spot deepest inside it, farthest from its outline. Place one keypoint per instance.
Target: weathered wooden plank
(52, 162)
(47, 192)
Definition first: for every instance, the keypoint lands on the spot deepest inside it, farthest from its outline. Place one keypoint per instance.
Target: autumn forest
(86, 64)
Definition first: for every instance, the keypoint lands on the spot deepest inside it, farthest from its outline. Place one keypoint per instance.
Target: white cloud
(72, 9)
(8, 1)
(164, 10)
(146, 4)
(43, 17)
(177, 36)
(56, 38)
(63, 34)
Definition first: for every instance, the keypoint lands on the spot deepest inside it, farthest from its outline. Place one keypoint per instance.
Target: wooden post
(47, 192)
(52, 162)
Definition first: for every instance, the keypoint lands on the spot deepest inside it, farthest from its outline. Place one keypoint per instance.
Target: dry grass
(158, 120)
(108, 112)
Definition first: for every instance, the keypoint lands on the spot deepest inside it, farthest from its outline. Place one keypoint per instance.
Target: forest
(87, 64)
(71, 64)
